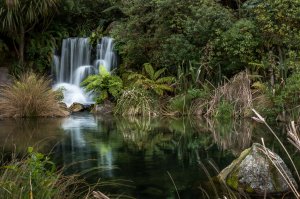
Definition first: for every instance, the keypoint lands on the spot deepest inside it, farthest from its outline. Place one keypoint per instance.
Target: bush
(29, 96)
(103, 85)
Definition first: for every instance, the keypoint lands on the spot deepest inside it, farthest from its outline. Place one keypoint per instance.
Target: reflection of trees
(19, 134)
(234, 135)
(139, 132)
(161, 135)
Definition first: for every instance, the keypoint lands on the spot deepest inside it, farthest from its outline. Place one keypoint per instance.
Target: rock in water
(76, 107)
(254, 172)
(103, 109)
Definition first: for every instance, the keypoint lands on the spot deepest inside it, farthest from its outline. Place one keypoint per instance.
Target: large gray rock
(253, 172)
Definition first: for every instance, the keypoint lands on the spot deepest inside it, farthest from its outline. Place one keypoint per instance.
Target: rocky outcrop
(103, 109)
(64, 111)
(254, 172)
(76, 107)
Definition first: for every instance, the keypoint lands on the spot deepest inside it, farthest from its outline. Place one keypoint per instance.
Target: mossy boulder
(254, 172)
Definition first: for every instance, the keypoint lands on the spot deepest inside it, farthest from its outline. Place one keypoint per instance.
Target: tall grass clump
(29, 96)
(236, 94)
(135, 101)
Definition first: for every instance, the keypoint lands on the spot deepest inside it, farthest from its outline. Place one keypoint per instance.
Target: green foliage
(182, 104)
(103, 85)
(224, 111)
(96, 36)
(287, 96)
(278, 21)
(83, 17)
(35, 176)
(40, 51)
(237, 46)
(18, 17)
(167, 33)
(152, 80)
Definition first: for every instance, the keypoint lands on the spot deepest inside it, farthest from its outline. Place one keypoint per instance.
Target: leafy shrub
(285, 97)
(28, 96)
(103, 85)
(237, 46)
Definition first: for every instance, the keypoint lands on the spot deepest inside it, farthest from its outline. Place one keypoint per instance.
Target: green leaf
(103, 72)
(30, 149)
(149, 70)
(167, 80)
(158, 73)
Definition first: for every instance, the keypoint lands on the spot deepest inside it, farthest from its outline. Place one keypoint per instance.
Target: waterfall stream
(75, 64)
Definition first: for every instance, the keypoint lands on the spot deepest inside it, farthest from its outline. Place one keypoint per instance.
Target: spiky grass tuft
(29, 96)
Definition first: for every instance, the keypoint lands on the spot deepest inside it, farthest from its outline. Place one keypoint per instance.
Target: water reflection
(232, 135)
(142, 149)
(18, 134)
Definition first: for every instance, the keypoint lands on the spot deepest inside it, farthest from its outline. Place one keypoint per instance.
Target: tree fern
(152, 80)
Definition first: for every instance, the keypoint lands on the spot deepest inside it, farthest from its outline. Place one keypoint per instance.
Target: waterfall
(75, 64)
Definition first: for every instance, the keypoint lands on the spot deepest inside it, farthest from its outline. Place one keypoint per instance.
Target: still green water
(141, 156)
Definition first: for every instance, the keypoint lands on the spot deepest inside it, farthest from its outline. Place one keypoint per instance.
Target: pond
(139, 157)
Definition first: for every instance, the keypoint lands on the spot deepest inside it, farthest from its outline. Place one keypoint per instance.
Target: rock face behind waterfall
(253, 172)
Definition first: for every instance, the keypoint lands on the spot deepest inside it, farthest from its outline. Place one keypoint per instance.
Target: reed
(236, 93)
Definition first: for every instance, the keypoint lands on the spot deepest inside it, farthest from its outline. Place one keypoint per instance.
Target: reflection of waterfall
(82, 131)
(75, 64)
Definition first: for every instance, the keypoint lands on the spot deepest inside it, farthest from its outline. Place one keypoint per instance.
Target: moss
(233, 180)
(249, 189)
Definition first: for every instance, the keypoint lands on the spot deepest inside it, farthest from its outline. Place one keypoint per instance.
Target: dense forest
(222, 60)
(194, 46)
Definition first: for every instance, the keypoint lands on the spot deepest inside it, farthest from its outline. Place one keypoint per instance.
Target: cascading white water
(105, 54)
(74, 65)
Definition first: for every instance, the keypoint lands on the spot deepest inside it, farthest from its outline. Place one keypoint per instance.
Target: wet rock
(89, 107)
(103, 109)
(253, 172)
(76, 107)
(64, 110)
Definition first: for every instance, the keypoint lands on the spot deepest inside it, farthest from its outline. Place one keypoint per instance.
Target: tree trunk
(21, 46)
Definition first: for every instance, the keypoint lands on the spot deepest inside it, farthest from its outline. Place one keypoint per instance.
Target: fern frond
(158, 73)
(149, 70)
(167, 80)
